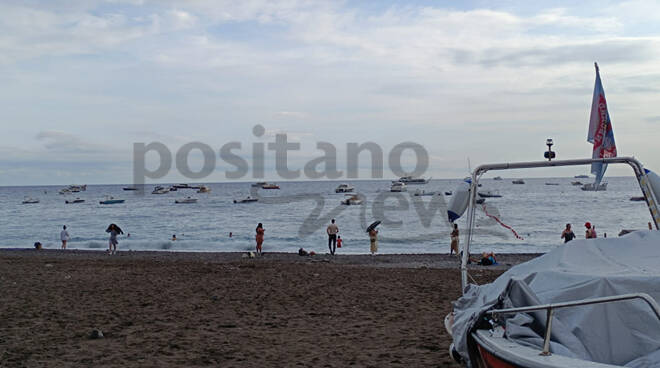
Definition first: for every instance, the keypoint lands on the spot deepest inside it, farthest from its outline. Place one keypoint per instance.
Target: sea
(296, 216)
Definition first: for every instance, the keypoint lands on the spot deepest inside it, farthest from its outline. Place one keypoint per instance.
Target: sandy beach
(221, 309)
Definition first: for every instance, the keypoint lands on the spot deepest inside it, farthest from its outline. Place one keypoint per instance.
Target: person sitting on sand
(259, 237)
(567, 234)
(591, 231)
(488, 259)
(453, 247)
(373, 238)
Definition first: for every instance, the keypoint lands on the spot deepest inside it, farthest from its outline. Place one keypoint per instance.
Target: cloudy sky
(82, 81)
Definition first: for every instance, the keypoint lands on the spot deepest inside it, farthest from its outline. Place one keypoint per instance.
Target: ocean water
(296, 216)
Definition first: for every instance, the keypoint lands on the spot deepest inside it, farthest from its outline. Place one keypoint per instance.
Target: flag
(600, 132)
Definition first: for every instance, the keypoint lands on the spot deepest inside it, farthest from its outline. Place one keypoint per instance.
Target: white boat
(412, 180)
(77, 200)
(186, 200)
(518, 181)
(160, 190)
(247, 199)
(203, 189)
(422, 193)
(344, 188)
(30, 200)
(352, 200)
(590, 187)
(398, 187)
(111, 200)
(593, 304)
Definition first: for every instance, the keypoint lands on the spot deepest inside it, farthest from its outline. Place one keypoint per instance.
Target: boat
(518, 181)
(551, 183)
(111, 200)
(398, 187)
(352, 200)
(173, 188)
(77, 200)
(203, 189)
(160, 190)
(64, 191)
(186, 200)
(592, 188)
(489, 194)
(412, 180)
(30, 200)
(247, 199)
(259, 184)
(448, 193)
(576, 183)
(344, 188)
(497, 178)
(480, 200)
(422, 193)
(129, 188)
(182, 186)
(270, 186)
(637, 199)
(581, 176)
(593, 304)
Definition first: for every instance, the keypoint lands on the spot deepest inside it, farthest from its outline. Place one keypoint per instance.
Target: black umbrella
(373, 225)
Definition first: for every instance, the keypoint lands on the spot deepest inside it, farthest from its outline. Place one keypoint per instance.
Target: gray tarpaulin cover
(625, 333)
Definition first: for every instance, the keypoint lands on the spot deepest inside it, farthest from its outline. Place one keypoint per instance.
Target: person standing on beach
(114, 230)
(259, 237)
(567, 234)
(64, 236)
(332, 231)
(373, 238)
(591, 231)
(454, 241)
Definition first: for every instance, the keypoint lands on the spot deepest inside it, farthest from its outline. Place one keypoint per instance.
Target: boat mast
(642, 179)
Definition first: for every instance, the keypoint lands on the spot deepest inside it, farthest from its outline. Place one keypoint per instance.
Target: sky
(473, 81)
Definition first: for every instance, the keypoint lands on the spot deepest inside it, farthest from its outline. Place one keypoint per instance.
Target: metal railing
(551, 307)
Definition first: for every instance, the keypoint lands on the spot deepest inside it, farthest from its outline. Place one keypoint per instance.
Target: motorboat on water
(398, 186)
(518, 181)
(637, 199)
(489, 194)
(186, 200)
(160, 190)
(497, 178)
(265, 185)
(344, 188)
(129, 188)
(593, 304)
(591, 187)
(576, 183)
(111, 200)
(182, 186)
(73, 201)
(581, 176)
(203, 189)
(173, 188)
(30, 200)
(247, 199)
(422, 193)
(412, 180)
(449, 192)
(352, 200)
(551, 183)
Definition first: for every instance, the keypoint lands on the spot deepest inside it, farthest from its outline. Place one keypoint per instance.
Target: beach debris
(96, 334)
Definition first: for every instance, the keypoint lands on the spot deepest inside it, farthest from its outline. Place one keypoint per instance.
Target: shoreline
(172, 309)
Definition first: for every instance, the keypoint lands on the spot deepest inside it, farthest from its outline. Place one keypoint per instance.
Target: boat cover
(624, 333)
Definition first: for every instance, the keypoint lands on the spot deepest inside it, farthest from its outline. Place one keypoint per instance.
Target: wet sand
(221, 309)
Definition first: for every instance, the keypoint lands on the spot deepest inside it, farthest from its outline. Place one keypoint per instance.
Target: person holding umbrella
(114, 230)
(373, 237)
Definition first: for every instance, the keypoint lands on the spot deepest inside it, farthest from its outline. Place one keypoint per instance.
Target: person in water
(173, 237)
(453, 247)
(339, 241)
(259, 237)
(591, 231)
(114, 230)
(567, 234)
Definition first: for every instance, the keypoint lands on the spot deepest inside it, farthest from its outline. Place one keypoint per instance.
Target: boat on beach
(592, 304)
(30, 200)
(344, 188)
(111, 200)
